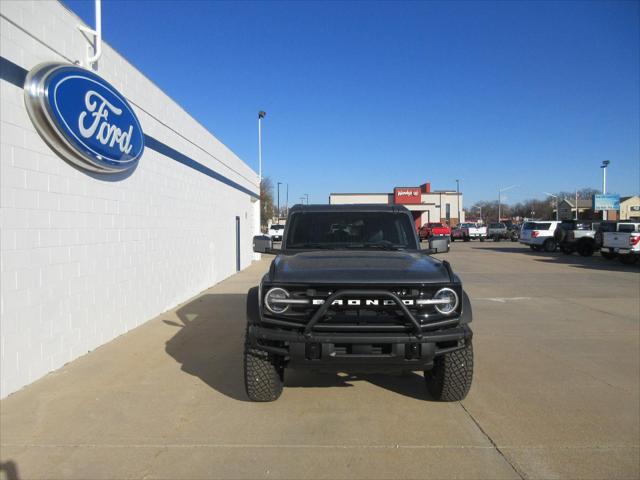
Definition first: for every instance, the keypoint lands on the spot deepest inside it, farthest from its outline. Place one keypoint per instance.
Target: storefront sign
(404, 195)
(606, 202)
(83, 118)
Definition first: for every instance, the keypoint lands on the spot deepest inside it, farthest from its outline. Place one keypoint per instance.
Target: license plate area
(350, 349)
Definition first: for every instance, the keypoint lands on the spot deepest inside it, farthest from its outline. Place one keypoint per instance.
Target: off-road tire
(566, 249)
(450, 378)
(584, 249)
(549, 245)
(263, 377)
(628, 259)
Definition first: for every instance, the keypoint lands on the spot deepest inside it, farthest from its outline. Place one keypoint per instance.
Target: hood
(358, 267)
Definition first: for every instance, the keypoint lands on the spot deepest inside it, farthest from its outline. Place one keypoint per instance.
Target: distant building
(567, 209)
(426, 205)
(630, 208)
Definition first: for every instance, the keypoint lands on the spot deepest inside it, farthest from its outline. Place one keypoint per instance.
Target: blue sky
(365, 96)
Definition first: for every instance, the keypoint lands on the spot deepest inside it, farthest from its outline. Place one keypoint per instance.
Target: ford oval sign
(83, 118)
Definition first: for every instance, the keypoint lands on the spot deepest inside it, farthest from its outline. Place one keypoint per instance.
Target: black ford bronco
(351, 291)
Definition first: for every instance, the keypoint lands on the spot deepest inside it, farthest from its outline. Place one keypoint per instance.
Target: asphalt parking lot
(556, 392)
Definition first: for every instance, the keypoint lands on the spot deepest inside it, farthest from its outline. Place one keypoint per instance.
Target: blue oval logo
(83, 117)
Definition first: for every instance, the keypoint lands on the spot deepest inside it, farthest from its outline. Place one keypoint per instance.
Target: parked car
(601, 228)
(362, 298)
(576, 236)
(457, 233)
(497, 231)
(276, 232)
(624, 242)
(470, 231)
(539, 235)
(429, 230)
(513, 232)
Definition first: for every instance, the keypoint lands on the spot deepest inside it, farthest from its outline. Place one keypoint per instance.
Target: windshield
(496, 225)
(384, 230)
(435, 225)
(468, 225)
(529, 226)
(277, 227)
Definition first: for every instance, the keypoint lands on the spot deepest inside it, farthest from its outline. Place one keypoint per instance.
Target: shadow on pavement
(209, 341)
(407, 384)
(595, 262)
(209, 344)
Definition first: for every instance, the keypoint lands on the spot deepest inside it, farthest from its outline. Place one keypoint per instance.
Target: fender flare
(467, 312)
(253, 306)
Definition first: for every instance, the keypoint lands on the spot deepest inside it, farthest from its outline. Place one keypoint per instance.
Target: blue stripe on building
(16, 75)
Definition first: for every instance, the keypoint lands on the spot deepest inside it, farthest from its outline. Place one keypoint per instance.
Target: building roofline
(370, 207)
(385, 193)
(453, 192)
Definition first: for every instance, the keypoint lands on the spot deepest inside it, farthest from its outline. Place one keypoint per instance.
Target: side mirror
(262, 244)
(438, 245)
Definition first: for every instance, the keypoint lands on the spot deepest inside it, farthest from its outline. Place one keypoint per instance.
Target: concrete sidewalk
(555, 393)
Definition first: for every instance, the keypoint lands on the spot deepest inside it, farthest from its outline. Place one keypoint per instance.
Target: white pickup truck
(469, 231)
(275, 232)
(624, 242)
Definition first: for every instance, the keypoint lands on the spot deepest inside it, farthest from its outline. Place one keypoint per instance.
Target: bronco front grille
(360, 310)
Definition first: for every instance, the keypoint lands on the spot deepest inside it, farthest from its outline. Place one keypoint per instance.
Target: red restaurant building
(425, 204)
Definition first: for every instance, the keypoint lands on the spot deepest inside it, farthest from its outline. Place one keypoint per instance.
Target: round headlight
(452, 301)
(272, 300)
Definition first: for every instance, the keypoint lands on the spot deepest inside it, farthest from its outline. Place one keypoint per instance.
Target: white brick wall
(84, 259)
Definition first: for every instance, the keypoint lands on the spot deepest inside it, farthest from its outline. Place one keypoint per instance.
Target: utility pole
(261, 115)
(307, 195)
(278, 213)
(604, 165)
(576, 204)
(287, 209)
(458, 197)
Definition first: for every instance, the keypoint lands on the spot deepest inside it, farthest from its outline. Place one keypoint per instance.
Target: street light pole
(458, 197)
(604, 165)
(278, 212)
(261, 115)
(500, 190)
(480, 208)
(556, 198)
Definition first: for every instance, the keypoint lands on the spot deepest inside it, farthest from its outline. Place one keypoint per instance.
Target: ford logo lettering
(83, 118)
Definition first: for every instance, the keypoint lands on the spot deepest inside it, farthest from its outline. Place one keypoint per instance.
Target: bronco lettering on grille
(354, 302)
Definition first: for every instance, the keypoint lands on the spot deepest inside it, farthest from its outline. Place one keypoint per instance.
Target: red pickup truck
(429, 230)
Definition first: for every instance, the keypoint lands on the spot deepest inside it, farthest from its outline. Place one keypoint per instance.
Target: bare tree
(534, 208)
(267, 208)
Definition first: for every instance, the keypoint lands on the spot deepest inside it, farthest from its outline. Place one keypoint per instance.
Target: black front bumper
(358, 351)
